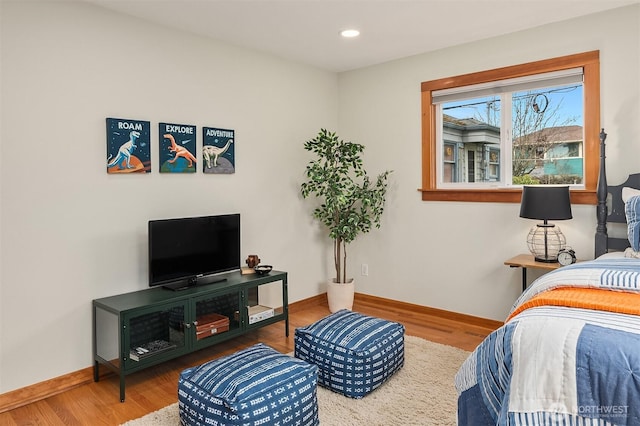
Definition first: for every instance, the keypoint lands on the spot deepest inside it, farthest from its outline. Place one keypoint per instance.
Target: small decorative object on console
(253, 260)
(566, 256)
(263, 269)
(244, 270)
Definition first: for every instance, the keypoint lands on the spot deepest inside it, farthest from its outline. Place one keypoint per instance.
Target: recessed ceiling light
(350, 33)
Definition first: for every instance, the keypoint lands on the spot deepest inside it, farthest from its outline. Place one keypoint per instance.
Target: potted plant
(350, 203)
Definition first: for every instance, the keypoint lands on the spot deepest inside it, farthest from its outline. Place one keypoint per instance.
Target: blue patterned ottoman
(254, 386)
(354, 352)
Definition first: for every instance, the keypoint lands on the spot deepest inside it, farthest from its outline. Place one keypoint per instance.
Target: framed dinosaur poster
(128, 146)
(218, 155)
(177, 148)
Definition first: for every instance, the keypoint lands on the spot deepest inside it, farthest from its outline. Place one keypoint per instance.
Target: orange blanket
(588, 298)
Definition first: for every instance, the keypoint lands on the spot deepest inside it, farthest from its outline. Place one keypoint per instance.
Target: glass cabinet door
(151, 334)
(215, 315)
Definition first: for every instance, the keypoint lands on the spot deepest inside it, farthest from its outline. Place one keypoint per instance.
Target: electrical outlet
(365, 269)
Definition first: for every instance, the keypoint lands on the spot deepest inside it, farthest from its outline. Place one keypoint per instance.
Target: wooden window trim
(589, 61)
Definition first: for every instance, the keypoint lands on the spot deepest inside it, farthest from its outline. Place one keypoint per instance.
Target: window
(449, 160)
(494, 164)
(486, 134)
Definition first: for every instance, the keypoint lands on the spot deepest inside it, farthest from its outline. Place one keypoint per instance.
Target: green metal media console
(133, 331)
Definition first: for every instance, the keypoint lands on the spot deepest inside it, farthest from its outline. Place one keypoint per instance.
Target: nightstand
(525, 261)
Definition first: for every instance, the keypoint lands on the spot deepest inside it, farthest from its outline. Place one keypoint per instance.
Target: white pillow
(628, 193)
(629, 252)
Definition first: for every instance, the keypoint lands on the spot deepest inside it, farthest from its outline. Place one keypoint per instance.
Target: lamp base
(544, 260)
(545, 241)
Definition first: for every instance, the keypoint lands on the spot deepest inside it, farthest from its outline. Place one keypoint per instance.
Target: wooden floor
(151, 389)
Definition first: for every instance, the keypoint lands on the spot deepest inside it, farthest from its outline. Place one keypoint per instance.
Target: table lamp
(545, 203)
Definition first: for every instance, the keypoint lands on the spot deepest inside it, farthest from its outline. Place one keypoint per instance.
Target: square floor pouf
(355, 353)
(254, 386)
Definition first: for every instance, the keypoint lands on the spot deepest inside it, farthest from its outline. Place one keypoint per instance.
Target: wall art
(177, 148)
(128, 146)
(218, 155)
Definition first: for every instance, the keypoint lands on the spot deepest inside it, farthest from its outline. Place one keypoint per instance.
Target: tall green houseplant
(351, 203)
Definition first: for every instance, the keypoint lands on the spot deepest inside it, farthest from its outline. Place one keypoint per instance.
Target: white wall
(71, 233)
(450, 255)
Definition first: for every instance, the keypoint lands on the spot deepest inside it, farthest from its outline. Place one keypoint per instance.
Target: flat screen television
(190, 251)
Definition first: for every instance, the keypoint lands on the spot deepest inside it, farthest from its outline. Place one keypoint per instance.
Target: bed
(569, 352)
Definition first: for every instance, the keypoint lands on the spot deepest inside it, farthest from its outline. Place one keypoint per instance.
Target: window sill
(497, 195)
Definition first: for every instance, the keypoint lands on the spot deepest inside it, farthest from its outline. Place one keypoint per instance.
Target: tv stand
(136, 330)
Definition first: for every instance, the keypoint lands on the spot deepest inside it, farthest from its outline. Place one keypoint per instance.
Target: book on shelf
(259, 313)
(150, 349)
(245, 270)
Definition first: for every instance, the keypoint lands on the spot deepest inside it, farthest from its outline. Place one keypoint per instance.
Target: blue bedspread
(555, 365)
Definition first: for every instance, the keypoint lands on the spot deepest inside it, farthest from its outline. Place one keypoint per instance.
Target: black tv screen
(192, 250)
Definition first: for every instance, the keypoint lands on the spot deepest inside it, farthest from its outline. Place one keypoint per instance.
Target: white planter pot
(340, 296)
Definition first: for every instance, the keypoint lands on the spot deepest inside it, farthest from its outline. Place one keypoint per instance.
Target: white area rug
(421, 393)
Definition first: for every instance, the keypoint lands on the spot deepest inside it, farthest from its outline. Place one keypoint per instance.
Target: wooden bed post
(601, 212)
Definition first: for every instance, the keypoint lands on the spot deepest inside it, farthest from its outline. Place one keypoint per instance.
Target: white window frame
(504, 88)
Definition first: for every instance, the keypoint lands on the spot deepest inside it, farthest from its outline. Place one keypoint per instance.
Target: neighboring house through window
(486, 134)
(477, 142)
